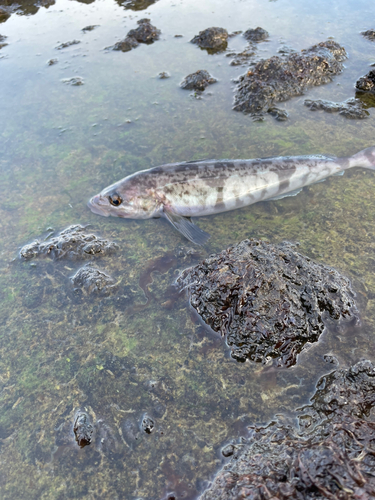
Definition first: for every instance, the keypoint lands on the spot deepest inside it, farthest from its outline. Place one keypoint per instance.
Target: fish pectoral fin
(281, 196)
(186, 227)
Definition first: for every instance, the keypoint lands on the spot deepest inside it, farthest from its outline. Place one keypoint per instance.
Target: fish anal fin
(186, 227)
(281, 196)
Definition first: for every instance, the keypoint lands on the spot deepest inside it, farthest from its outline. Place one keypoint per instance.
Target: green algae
(120, 359)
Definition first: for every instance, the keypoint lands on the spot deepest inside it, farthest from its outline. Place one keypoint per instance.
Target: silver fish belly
(179, 191)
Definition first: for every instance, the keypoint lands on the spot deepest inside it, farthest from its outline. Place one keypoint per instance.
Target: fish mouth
(99, 205)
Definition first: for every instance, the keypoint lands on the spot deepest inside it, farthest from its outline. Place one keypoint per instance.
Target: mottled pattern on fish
(182, 190)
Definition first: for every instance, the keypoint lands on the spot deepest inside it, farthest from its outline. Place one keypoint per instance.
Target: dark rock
(280, 78)
(5, 13)
(367, 83)
(198, 80)
(67, 44)
(76, 81)
(334, 460)
(369, 34)
(228, 450)
(256, 35)
(147, 424)
(72, 243)
(281, 115)
(51, 62)
(242, 58)
(268, 300)
(136, 4)
(83, 429)
(90, 28)
(163, 75)
(2, 38)
(22, 7)
(92, 280)
(213, 39)
(125, 45)
(351, 108)
(145, 33)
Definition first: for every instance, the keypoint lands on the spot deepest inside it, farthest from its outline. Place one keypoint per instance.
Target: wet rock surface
(334, 460)
(75, 81)
(2, 39)
(212, 39)
(90, 27)
(279, 78)
(366, 83)
(67, 44)
(256, 35)
(369, 34)
(93, 280)
(242, 58)
(145, 33)
(83, 429)
(73, 243)
(136, 4)
(268, 300)
(199, 80)
(351, 108)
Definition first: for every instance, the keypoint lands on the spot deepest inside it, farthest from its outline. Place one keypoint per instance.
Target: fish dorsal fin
(186, 227)
(281, 196)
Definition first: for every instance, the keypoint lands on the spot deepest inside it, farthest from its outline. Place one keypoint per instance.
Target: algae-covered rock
(213, 39)
(83, 429)
(198, 80)
(280, 78)
(145, 33)
(366, 83)
(334, 460)
(269, 300)
(93, 280)
(351, 108)
(72, 243)
(256, 35)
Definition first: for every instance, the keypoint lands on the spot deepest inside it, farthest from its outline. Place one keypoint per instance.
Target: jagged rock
(76, 81)
(351, 108)
(367, 83)
(83, 429)
(125, 45)
(198, 80)
(90, 27)
(145, 33)
(72, 243)
(92, 280)
(334, 459)
(269, 300)
(369, 34)
(280, 78)
(256, 35)
(67, 44)
(213, 39)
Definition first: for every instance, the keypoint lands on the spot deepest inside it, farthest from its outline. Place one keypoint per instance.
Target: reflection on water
(123, 361)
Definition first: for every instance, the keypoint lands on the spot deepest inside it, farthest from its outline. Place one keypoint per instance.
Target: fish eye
(115, 200)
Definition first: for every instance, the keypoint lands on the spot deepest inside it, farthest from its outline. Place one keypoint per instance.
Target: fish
(180, 191)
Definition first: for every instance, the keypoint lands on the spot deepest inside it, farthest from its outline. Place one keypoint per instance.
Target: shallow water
(146, 353)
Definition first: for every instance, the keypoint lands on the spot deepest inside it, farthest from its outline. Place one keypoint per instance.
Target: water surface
(122, 359)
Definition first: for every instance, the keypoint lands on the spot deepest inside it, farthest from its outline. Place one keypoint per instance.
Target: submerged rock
(334, 460)
(67, 44)
(242, 58)
(268, 300)
(367, 83)
(125, 45)
(351, 108)
(76, 81)
(256, 35)
(369, 34)
(280, 78)
(145, 33)
(163, 75)
(92, 280)
(90, 27)
(2, 38)
(83, 429)
(51, 62)
(136, 4)
(213, 39)
(72, 243)
(198, 80)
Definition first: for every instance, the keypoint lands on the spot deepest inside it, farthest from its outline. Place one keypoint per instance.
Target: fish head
(126, 200)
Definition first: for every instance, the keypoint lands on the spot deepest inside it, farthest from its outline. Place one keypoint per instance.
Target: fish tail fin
(365, 159)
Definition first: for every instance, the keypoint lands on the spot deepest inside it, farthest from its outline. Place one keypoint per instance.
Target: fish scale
(179, 191)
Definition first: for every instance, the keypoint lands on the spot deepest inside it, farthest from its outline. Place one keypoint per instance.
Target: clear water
(61, 144)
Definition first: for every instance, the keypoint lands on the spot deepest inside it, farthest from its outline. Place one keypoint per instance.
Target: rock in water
(212, 39)
(280, 78)
(83, 429)
(351, 108)
(198, 80)
(145, 33)
(366, 83)
(269, 300)
(333, 460)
